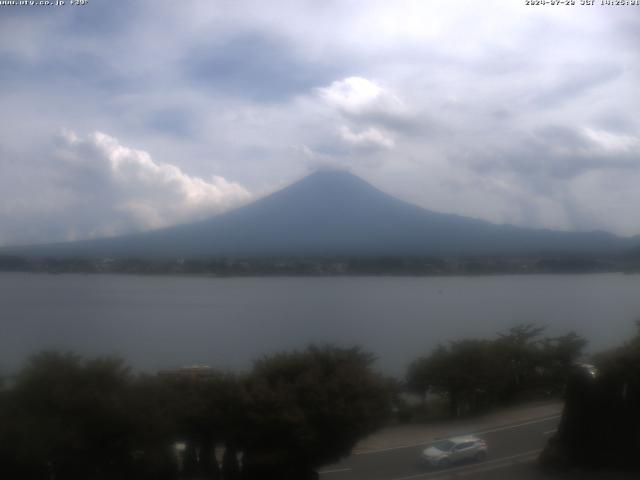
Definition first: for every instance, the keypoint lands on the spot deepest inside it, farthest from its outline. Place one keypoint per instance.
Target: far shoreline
(322, 275)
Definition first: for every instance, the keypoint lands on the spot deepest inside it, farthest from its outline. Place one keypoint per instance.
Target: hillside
(333, 213)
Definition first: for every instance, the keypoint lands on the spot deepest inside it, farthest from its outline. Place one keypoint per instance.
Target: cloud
(547, 155)
(260, 66)
(152, 194)
(176, 121)
(369, 114)
(104, 188)
(425, 99)
(358, 96)
(558, 177)
(370, 138)
(574, 81)
(612, 143)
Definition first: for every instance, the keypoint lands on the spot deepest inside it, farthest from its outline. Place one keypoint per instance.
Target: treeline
(600, 425)
(67, 418)
(389, 265)
(473, 375)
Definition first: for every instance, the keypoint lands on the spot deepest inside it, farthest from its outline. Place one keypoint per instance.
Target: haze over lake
(170, 321)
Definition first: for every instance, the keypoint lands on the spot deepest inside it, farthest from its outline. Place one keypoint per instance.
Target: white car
(452, 450)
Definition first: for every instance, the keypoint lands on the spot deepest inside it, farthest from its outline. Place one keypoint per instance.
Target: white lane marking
(335, 470)
(520, 460)
(503, 462)
(498, 429)
(549, 432)
(509, 427)
(484, 469)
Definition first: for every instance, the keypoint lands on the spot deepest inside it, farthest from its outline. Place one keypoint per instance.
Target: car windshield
(444, 445)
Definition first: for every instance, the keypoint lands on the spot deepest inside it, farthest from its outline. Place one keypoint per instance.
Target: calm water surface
(167, 321)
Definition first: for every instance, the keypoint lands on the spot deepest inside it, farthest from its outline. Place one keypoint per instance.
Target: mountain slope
(333, 213)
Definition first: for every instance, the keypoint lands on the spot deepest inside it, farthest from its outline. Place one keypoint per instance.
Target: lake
(158, 322)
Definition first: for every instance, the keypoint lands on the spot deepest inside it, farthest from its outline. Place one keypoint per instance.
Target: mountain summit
(333, 213)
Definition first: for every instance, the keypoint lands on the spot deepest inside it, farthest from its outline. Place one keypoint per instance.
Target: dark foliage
(600, 426)
(476, 374)
(69, 418)
(310, 408)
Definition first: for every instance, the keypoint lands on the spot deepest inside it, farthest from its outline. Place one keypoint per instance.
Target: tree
(68, 418)
(208, 410)
(473, 374)
(153, 405)
(519, 350)
(309, 408)
(558, 358)
(428, 373)
(467, 372)
(600, 424)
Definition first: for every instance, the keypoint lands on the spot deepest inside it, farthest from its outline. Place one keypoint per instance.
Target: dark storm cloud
(259, 66)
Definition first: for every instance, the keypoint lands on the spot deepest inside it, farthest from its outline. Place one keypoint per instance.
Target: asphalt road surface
(513, 451)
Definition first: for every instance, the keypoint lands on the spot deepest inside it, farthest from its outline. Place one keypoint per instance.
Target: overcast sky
(122, 116)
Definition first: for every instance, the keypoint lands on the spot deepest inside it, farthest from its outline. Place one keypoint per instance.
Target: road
(513, 450)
